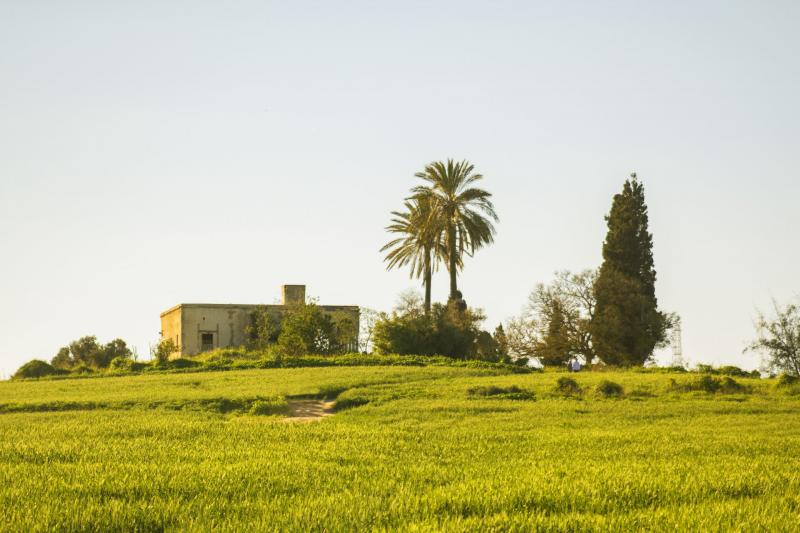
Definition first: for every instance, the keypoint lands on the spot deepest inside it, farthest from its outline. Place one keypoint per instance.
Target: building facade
(196, 328)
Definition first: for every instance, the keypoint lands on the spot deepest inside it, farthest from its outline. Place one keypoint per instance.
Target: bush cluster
(446, 330)
(507, 393)
(609, 389)
(567, 386)
(710, 384)
(241, 359)
(727, 370)
(87, 353)
(302, 329)
(35, 368)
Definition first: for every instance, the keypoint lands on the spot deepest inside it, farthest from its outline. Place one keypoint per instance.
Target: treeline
(610, 314)
(81, 356)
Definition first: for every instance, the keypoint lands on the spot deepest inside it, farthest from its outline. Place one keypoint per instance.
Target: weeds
(710, 384)
(505, 393)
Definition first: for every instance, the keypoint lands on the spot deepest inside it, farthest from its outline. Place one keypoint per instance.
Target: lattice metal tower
(677, 344)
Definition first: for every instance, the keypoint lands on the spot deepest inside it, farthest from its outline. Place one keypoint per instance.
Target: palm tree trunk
(428, 279)
(451, 242)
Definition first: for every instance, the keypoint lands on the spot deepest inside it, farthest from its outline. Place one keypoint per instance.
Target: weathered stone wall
(171, 325)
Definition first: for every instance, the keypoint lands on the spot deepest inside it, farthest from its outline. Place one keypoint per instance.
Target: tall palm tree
(464, 212)
(420, 244)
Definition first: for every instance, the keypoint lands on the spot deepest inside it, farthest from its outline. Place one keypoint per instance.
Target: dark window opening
(206, 341)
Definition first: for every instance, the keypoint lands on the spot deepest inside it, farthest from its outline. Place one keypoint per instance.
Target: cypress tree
(627, 325)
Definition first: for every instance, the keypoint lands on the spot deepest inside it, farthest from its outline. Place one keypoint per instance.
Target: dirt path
(308, 410)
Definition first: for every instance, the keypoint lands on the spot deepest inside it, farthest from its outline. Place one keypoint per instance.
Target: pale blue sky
(185, 151)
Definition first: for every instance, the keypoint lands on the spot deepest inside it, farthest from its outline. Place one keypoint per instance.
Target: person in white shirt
(575, 365)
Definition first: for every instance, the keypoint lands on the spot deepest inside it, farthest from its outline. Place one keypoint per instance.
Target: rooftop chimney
(293, 294)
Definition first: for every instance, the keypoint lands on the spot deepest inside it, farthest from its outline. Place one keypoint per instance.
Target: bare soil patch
(308, 410)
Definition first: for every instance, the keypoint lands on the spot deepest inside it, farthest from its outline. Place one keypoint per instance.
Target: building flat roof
(250, 306)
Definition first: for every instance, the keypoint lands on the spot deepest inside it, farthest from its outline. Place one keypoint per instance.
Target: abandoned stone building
(196, 328)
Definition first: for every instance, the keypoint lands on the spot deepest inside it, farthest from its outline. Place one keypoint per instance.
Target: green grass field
(411, 448)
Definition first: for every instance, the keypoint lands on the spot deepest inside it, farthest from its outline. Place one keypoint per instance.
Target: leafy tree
(555, 323)
(84, 351)
(447, 330)
(291, 344)
(408, 330)
(779, 338)
(555, 346)
(464, 212)
(262, 330)
(63, 359)
(163, 350)
(116, 349)
(87, 352)
(420, 244)
(501, 340)
(346, 332)
(306, 329)
(627, 325)
(367, 320)
(457, 331)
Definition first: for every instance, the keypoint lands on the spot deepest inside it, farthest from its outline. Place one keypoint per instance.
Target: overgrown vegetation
(609, 389)
(301, 329)
(710, 384)
(568, 387)
(506, 393)
(227, 359)
(779, 338)
(86, 352)
(446, 330)
(35, 369)
(727, 370)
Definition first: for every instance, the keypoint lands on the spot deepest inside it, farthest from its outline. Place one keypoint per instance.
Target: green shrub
(728, 385)
(710, 384)
(82, 369)
(35, 368)
(787, 380)
(567, 386)
(121, 363)
(737, 372)
(270, 406)
(704, 383)
(705, 369)
(609, 388)
(182, 362)
(727, 370)
(507, 393)
(163, 350)
(445, 330)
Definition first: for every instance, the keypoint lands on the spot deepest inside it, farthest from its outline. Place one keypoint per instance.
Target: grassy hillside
(409, 447)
